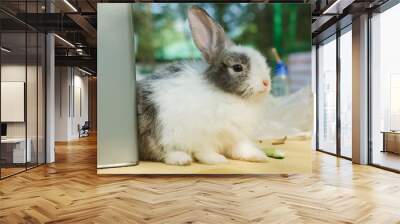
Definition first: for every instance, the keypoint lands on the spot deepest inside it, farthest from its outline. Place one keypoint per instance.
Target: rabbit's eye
(237, 68)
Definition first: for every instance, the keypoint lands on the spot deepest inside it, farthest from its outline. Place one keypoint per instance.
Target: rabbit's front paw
(177, 158)
(210, 157)
(248, 152)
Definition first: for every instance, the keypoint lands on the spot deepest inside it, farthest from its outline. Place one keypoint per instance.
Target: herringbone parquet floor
(69, 191)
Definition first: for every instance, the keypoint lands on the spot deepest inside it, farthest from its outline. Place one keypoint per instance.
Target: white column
(50, 99)
(360, 90)
(50, 92)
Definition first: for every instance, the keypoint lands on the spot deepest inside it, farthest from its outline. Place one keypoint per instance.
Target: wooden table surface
(297, 159)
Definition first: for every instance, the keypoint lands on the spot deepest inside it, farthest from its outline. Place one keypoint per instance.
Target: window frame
(334, 37)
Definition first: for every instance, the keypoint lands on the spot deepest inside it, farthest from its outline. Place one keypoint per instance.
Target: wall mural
(221, 89)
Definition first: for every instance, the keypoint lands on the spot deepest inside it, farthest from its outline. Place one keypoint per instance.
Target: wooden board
(297, 160)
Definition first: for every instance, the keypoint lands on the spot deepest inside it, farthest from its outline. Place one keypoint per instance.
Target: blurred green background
(162, 32)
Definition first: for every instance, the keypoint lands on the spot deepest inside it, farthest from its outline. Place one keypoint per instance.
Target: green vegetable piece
(274, 153)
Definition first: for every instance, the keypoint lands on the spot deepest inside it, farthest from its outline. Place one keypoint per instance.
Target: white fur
(177, 158)
(203, 121)
(247, 151)
(259, 70)
(209, 157)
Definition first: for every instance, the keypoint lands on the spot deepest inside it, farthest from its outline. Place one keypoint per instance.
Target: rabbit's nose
(265, 83)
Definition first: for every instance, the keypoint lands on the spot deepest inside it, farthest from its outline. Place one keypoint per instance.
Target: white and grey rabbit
(204, 111)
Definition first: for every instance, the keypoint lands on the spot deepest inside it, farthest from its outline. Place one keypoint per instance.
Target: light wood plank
(70, 191)
(298, 159)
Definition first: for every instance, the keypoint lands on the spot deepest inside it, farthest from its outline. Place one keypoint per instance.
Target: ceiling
(75, 22)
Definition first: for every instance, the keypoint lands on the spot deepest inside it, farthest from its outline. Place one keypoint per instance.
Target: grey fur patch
(222, 75)
(167, 71)
(174, 68)
(148, 122)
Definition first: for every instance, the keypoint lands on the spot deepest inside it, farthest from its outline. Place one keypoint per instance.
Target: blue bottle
(280, 82)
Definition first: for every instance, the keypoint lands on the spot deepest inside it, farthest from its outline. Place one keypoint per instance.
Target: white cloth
(291, 115)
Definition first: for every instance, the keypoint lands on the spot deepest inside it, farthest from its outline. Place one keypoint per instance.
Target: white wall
(12, 73)
(33, 126)
(13, 101)
(79, 117)
(70, 83)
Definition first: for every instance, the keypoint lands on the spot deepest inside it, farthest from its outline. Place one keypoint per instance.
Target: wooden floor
(387, 159)
(5, 172)
(69, 191)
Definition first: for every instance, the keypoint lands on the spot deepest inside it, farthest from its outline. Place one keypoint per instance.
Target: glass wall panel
(385, 87)
(32, 95)
(41, 79)
(14, 153)
(22, 88)
(346, 94)
(327, 96)
(32, 87)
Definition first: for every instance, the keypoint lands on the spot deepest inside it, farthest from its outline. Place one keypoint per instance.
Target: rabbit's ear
(207, 34)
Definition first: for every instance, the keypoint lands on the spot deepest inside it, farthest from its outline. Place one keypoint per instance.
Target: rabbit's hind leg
(247, 151)
(180, 158)
(209, 157)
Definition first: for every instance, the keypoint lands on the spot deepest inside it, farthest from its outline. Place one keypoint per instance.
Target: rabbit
(204, 111)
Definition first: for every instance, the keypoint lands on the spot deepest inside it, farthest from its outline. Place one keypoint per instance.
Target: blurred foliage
(162, 31)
